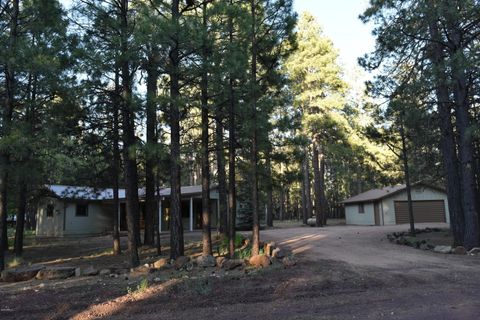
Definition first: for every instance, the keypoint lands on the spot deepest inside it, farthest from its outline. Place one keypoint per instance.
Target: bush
(223, 248)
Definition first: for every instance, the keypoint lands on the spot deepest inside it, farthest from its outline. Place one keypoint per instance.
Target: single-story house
(74, 210)
(389, 206)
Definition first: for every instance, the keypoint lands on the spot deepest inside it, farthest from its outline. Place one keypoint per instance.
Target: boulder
(278, 253)
(260, 261)
(88, 271)
(442, 249)
(161, 263)
(289, 262)
(181, 262)
(206, 261)
(474, 251)
(459, 250)
(145, 269)
(424, 246)
(230, 264)
(21, 274)
(311, 222)
(55, 273)
(268, 248)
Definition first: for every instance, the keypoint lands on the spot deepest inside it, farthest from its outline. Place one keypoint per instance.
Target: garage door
(423, 211)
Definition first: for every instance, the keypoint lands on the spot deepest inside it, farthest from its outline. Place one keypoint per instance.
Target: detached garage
(389, 206)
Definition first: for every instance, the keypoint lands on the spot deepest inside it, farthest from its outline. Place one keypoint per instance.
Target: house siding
(418, 194)
(50, 226)
(352, 216)
(99, 219)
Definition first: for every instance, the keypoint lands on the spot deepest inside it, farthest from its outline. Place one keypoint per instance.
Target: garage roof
(377, 194)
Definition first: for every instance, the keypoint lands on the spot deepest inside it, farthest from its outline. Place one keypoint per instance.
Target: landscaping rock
(268, 248)
(181, 262)
(474, 251)
(88, 271)
(289, 261)
(278, 253)
(21, 274)
(161, 263)
(424, 246)
(460, 250)
(104, 272)
(230, 264)
(206, 261)
(311, 222)
(260, 261)
(55, 273)
(442, 249)
(143, 270)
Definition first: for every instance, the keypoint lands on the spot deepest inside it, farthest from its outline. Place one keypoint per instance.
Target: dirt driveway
(344, 272)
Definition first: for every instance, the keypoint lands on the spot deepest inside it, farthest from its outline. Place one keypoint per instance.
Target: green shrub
(223, 248)
(141, 286)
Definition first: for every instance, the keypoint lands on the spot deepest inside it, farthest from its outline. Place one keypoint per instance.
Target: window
(361, 209)
(82, 210)
(50, 209)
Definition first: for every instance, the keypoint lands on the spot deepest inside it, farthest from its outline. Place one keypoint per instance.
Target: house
(389, 206)
(74, 210)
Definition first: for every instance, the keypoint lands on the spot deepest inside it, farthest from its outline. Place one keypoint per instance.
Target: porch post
(159, 215)
(191, 213)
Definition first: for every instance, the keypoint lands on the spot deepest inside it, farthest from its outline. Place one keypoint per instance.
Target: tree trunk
(308, 185)
(151, 112)
(406, 173)
(465, 141)
(206, 233)
(282, 202)
(20, 224)
(5, 130)
(222, 177)
(269, 191)
(254, 150)
(304, 192)
(117, 250)
(323, 198)
(176, 226)
(447, 139)
(317, 184)
(131, 178)
(232, 193)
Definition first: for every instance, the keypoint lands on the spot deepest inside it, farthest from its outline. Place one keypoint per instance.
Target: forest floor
(343, 272)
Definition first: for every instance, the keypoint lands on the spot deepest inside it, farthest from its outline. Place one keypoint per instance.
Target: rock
(104, 272)
(161, 263)
(181, 262)
(88, 271)
(289, 261)
(442, 249)
(474, 251)
(424, 246)
(55, 273)
(459, 250)
(145, 269)
(219, 261)
(230, 264)
(268, 248)
(21, 274)
(78, 272)
(260, 261)
(312, 222)
(278, 253)
(206, 261)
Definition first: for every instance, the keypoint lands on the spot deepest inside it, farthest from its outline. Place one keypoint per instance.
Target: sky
(339, 21)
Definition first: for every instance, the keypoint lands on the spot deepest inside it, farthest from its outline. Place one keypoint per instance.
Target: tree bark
(317, 184)
(151, 112)
(10, 84)
(254, 149)
(222, 176)
(20, 224)
(232, 193)
(131, 176)
(406, 173)
(465, 141)
(323, 198)
(176, 226)
(117, 250)
(206, 232)
(447, 138)
(269, 190)
(304, 192)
